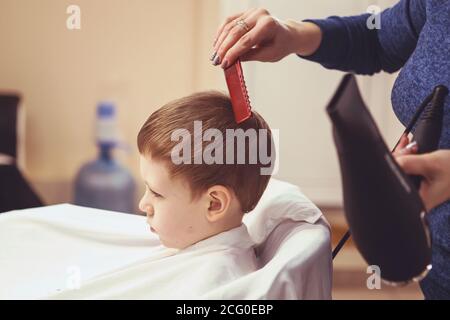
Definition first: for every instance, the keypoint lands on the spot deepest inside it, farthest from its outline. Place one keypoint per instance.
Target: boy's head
(201, 172)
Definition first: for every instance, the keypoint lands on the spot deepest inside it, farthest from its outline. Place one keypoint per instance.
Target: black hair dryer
(384, 211)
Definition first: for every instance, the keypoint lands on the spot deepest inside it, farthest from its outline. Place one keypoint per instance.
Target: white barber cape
(176, 274)
(34, 262)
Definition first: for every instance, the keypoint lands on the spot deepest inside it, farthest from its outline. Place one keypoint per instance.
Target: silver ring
(241, 23)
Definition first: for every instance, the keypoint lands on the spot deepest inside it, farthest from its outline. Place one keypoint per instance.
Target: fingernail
(411, 145)
(213, 56)
(216, 60)
(225, 64)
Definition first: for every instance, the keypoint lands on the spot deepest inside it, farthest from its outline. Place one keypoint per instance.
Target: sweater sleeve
(349, 45)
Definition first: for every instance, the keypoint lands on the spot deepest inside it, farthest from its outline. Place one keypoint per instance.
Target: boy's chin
(172, 245)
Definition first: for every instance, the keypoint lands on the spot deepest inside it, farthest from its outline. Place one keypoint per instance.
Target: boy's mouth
(150, 225)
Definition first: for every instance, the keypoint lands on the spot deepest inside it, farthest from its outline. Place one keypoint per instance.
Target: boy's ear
(219, 200)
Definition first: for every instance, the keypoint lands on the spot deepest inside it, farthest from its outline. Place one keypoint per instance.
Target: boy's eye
(157, 195)
(153, 193)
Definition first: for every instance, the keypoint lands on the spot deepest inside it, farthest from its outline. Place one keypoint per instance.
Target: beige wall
(140, 53)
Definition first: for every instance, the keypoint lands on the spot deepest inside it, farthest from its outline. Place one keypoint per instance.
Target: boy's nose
(145, 207)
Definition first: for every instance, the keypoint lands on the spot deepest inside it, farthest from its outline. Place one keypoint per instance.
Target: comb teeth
(243, 84)
(238, 92)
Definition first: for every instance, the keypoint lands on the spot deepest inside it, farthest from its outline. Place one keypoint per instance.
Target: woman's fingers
(245, 46)
(435, 168)
(414, 164)
(420, 165)
(235, 34)
(232, 31)
(405, 147)
(222, 26)
(411, 148)
(230, 24)
(404, 140)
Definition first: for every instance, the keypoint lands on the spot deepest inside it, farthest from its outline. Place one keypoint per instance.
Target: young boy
(202, 173)
(194, 200)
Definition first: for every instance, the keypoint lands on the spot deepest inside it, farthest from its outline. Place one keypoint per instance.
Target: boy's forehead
(153, 171)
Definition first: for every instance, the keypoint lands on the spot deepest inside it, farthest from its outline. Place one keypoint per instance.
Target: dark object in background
(381, 203)
(8, 124)
(15, 191)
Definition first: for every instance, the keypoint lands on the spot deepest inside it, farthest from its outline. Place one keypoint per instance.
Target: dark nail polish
(213, 56)
(225, 64)
(216, 60)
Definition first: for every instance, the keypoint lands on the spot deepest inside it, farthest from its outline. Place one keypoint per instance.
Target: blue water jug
(105, 183)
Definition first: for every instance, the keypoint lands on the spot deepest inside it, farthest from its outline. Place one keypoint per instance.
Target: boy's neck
(231, 221)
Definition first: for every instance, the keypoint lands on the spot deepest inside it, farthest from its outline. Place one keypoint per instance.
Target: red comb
(238, 92)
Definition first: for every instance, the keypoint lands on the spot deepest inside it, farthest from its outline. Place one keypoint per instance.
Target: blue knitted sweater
(414, 37)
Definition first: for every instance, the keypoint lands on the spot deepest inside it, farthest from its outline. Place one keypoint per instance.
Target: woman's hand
(434, 167)
(404, 147)
(256, 35)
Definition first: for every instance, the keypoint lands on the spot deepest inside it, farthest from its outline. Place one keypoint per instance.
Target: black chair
(15, 191)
